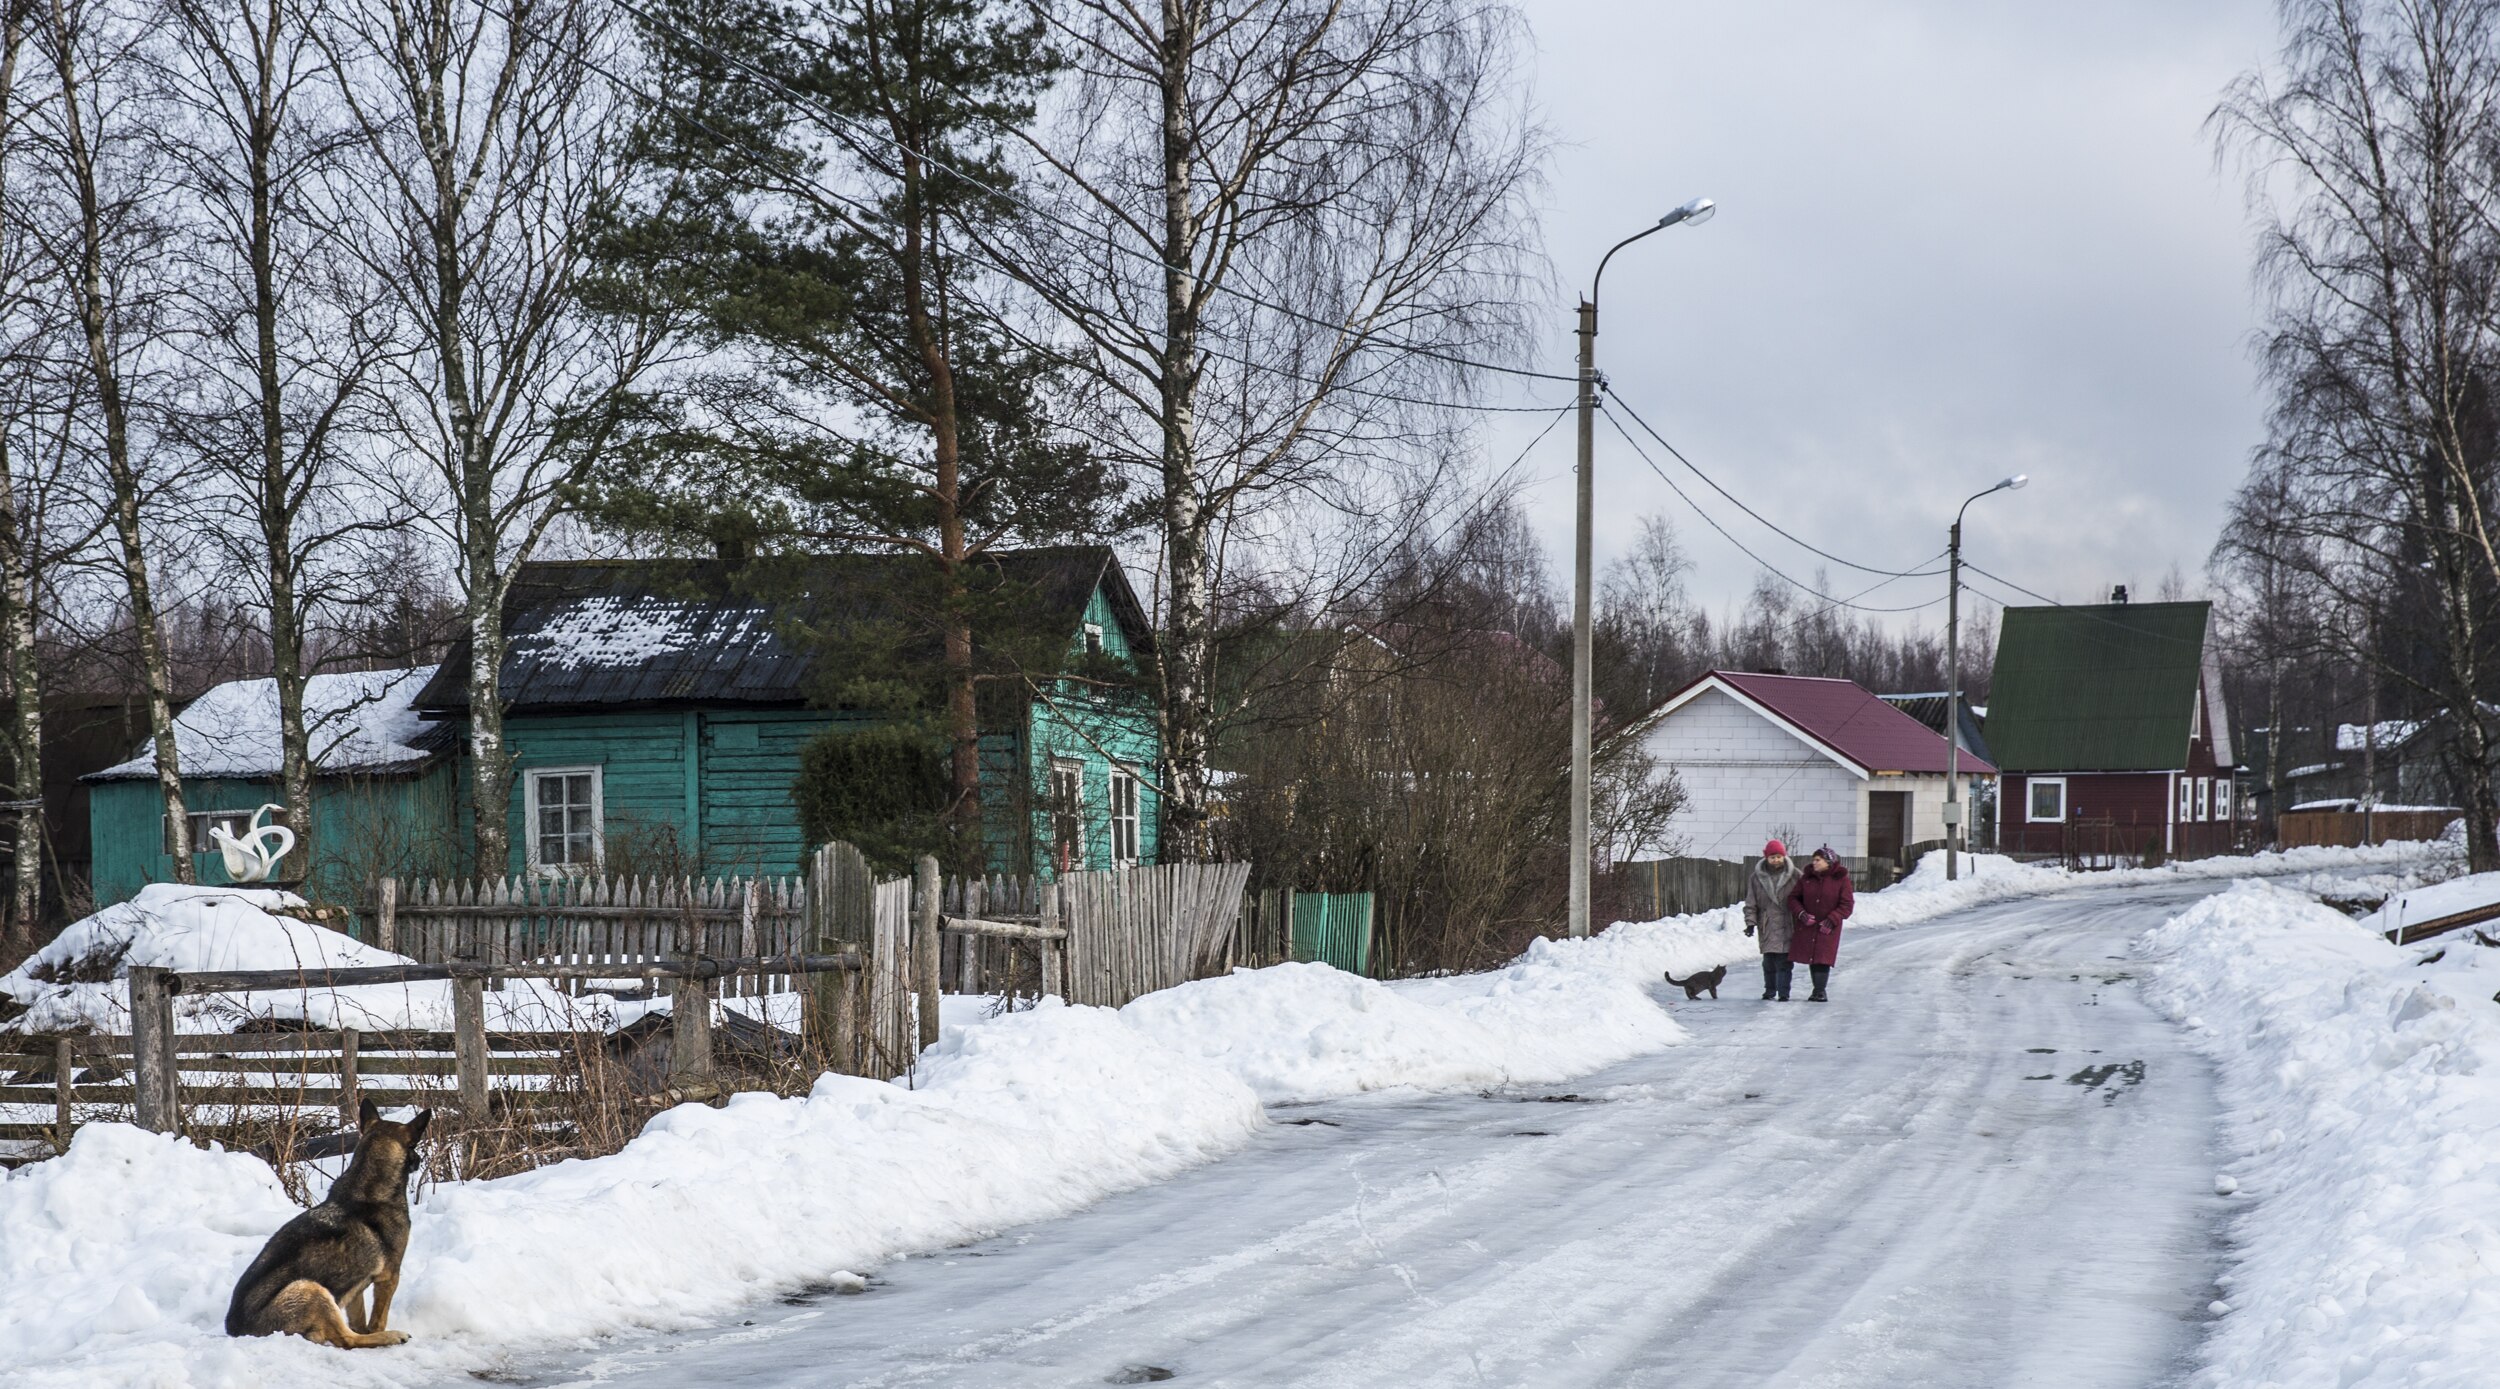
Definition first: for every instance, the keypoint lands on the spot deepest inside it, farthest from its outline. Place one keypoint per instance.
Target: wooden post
(1054, 952)
(468, 1046)
(386, 916)
(152, 1049)
(64, 1061)
(690, 1043)
(924, 963)
(347, 1074)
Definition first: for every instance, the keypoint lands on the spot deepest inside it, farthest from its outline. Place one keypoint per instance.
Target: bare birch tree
(488, 155)
(1276, 223)
(2372, 158)
(282, 328)
(106, 246)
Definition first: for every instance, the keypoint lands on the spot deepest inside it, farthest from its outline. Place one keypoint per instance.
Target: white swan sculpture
(250, 859)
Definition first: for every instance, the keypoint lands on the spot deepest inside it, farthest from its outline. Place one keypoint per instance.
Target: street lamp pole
(1696, 212)
(1953, 682)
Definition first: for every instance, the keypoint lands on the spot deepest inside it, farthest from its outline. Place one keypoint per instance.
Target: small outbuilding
(1807, 760)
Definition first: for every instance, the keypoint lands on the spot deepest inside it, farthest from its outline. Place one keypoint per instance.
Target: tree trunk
(1186, 652)
(24, 738)
(155, 669)
(277, 506)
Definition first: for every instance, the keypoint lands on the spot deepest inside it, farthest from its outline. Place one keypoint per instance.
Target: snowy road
(1987, 1164)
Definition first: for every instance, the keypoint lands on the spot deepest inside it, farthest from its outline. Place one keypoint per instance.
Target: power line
(1016, 196)
(1713, 523)
(1774, 526)
(2081, 610)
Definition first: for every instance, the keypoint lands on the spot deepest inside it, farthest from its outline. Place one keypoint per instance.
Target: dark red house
(2108, 724)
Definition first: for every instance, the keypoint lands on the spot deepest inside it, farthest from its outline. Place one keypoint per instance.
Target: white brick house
(1808, 761)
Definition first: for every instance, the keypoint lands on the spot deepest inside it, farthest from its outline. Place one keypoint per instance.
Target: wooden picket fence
(595, 920)
(1093, 938)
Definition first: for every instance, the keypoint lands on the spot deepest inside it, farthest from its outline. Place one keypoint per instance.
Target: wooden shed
(2109, 723)
(382, 800)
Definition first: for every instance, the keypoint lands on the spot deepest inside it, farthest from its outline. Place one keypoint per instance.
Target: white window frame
(1068, 812)
(2204, 799)
(1127, 840)
(1093, 639)
(2031, 800)
(530, 777)
(2196, 717)
(2184, 808)
(237, 823)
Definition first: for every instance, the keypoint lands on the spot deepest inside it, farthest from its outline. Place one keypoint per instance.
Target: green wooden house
(383, 801)
(655, 712)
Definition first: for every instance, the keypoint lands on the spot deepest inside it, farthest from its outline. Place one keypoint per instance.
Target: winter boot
(1770, 977)
(1822, 977)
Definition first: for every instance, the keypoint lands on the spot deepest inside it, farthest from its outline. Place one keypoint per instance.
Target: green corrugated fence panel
(1334, 928)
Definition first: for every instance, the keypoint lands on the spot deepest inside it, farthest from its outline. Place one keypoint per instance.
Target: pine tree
(820, 177)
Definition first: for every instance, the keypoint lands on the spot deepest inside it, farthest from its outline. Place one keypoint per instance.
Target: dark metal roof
(2105, 688)
(605, 633)
(1929, 710)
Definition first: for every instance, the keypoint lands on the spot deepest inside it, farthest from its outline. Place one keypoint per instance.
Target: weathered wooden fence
(865, 958)
(2350, 829)
(1654, 888)
(252, 1075)
(1095, 938)
(594, 920)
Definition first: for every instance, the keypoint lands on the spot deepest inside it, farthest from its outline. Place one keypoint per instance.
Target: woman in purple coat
(1821, 900)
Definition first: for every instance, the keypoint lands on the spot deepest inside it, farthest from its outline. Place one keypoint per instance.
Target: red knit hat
(1775, 849)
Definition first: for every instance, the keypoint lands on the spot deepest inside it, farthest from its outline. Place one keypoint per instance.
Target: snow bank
(2424, 904)
(116, 1260)
(80, 981)
(2361, 1088)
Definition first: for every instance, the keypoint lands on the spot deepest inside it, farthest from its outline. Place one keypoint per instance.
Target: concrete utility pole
(1696, 212)
(1953, 681)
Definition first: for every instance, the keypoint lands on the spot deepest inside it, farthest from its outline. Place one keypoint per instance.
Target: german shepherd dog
(1708, 979)
(310, 1279)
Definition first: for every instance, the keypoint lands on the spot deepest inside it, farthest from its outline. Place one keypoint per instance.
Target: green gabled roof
(2108, 688)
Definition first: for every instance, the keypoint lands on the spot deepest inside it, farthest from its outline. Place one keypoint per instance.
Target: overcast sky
(1956, 239)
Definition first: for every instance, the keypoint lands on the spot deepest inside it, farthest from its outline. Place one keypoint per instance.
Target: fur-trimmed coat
(1766, 904)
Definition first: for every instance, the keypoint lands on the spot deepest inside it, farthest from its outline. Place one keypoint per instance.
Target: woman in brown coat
(1819, 903)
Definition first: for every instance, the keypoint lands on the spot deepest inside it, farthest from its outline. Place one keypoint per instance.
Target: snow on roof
(609, 630)
(354, 721)
(2355, 737)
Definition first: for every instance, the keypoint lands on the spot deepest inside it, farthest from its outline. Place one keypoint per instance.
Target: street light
(1953, 684)
(1693, 213)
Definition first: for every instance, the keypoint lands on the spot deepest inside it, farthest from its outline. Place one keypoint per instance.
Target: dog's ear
(368, 1114)
(416, 1126)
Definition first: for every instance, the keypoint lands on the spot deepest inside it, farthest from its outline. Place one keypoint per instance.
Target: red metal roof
(1847, 718)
